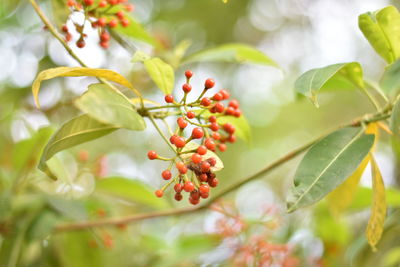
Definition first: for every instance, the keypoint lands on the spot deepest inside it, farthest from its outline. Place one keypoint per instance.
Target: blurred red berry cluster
(102, 15)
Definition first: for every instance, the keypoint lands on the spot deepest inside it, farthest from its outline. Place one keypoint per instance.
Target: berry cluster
(196, 162)
(101, 14)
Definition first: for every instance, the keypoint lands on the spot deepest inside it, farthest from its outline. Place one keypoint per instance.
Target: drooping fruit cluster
(208, 120)
(101, 14)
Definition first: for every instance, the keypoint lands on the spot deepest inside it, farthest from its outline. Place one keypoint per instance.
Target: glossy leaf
(327, 164)
(79, 130)
(136, 31)
(76, 72)
(314, 80)
(379, 206)
(110, 107)
(131, 190)
(390, 81)
(236, 53)
(382, 30)
(161, 73)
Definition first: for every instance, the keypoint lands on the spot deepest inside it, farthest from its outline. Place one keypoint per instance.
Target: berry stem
(160, 132)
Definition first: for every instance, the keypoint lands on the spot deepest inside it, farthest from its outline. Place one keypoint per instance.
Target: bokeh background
(298, 35)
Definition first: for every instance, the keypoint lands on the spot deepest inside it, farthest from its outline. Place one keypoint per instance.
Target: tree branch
(229, 189)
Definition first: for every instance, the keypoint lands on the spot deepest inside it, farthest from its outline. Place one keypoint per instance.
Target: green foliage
(327, 164)
(390, 81)
(381, 29)
(110, 107)
(236, 53)
(312, 81)
(79, 130)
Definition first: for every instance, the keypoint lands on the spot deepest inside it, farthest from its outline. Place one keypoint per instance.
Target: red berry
(129, 7)
(195, 195)
(179, 142)
(213, 110)
(216, 136)
(169, 98)
(205, 101)
(213, 182)
(181, 167)
(225, 94)
(152, 155)
(204, 195)
(102, 22)
(229, 128)
(212, 119)
(88, 2)
(181, 122)
(218, 97)
(194, 201)
(113, 23)
(212, 161)
(125, 22)
(234, 103)
(209, 143)
(105, 45)
(197, 133)
(103, 3)
(189, 186)
(196, 158)
(232, 139)
(203, 177)
(70, 3)
(104, 37)
(113, 2)
(209, 83)
(214, 126)
(205, 166)
(204, 189)
(159, 193)
(190, 114)
(178, 196)
(219, 107)
(178, 188)
(186, 88)
(120, 14)
(80, 43)
(64, 28)
(188, 74)
(172, 139)
(230, 111)
(68, 37)
(222, 147)
(166, 174)
(202, 150)
(238, 113)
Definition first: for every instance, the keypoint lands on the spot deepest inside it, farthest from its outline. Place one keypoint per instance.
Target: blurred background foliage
(111, 176)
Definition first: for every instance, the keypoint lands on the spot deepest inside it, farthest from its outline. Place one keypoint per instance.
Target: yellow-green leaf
(378, 209)
(161, 73)
(76, 72)
(382, 30)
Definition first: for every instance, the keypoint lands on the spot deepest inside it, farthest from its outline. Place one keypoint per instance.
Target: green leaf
(161, 73)
(395, 120)
(241, 124)
(43, 225)
(8, 7)
(79, 130)
(390, 81)
(76, 72)
(193, 245)
(378, 209)
(131, 190)
(72, 209)
(327, 164)
(136, 31)
(107, 106)
(382, 30)
(363, 198)
(314, 80)
(235, 52)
